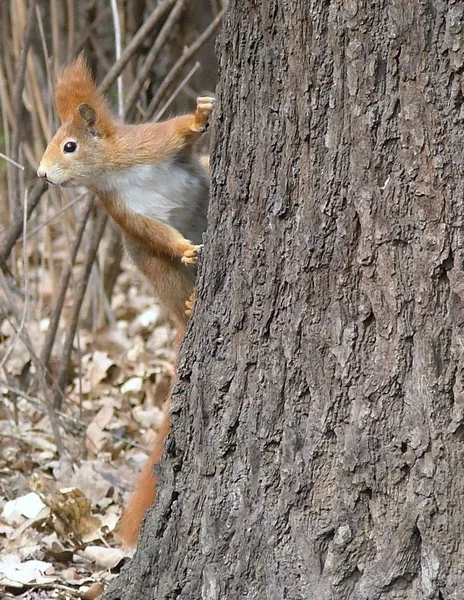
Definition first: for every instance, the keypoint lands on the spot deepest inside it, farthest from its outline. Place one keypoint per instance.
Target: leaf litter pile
(58, 514)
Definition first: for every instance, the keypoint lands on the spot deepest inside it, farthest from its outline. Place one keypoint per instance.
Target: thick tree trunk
(319, 419)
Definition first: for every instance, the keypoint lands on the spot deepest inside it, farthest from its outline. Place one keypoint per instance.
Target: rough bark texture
(319, 420)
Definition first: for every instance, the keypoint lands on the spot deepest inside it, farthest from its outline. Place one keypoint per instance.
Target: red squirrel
(146, 176)
(156, 190)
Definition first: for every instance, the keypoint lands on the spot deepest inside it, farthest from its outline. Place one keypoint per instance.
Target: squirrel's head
(79, 150)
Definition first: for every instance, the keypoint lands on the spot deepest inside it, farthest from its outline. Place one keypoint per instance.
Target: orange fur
(156, 236)
(154, 188)
(173, 283)
(107, 149)
(144, 494)
(75, 86)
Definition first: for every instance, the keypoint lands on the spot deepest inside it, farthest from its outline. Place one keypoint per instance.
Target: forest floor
(58, 514)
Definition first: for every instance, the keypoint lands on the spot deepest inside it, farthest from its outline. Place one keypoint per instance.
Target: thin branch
(54, 216)
(99, 228)
(39, 404)
(117, 43)
(22, 322)
(11, 161)
(62, 288)
(19, 83)
(186, 56)
(40, 368)
(151, 57)
(14, 231)
(134, 45)
(20, 76)
(175, 93)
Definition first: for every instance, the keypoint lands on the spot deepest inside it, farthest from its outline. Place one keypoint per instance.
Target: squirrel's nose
(41, 173)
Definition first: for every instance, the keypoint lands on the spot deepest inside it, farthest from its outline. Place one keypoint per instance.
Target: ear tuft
(87, 114)
(79, 102)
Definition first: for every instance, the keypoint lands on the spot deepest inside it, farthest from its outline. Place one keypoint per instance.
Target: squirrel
(146, 176)
(155, 189)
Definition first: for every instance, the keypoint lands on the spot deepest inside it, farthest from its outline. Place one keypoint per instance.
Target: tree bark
(318, 425)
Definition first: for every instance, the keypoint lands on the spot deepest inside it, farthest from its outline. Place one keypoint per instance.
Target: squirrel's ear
(87, 114)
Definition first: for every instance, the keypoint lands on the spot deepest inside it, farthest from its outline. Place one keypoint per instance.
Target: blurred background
(79, 328)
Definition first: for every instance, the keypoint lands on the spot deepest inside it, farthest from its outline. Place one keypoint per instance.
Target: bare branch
(183, 60)
(99, 228)
(151, 57)
(135, 44)
(14, 231)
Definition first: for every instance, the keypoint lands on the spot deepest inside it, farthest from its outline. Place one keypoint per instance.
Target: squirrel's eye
(69, 147)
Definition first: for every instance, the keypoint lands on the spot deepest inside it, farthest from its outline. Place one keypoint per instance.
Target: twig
(40, 368)
(174, 94)
(13, 180)
(99, 228)
(11, 161)
(40, 404)
(14, 231)
(186, 56)
(134, 45)
(19, 85)
(54, 216)
(70, 26)
(102, 292)
(117, 43)
(62, 289)
(151, 57)
(22, 322)
(114, 251)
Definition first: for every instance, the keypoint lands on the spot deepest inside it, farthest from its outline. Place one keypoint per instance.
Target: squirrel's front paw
(190, 256)
(204, 109)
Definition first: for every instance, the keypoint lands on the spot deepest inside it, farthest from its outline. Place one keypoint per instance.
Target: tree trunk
(318, 427)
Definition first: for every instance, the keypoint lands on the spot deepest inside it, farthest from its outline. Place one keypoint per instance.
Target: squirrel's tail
(144, 494)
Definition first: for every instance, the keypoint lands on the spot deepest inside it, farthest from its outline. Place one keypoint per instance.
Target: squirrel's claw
(190, 256)
(205, 105)
(189, 305)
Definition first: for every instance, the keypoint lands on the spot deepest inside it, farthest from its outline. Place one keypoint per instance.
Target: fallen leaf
(144, 323)
(92, 592)
(105, 557)
(152, 417)
(28, 506)
(15, 573)
(72, 516)
(133, 386)
(95, 439)
(100, 367)
(90, 480)
(104, 415)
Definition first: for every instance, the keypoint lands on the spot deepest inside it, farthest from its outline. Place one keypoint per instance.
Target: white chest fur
(154, 191)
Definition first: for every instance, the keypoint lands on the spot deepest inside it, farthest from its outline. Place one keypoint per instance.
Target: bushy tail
(144, 494)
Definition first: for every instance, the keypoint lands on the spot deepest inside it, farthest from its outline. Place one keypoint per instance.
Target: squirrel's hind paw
(190, 256)
(189, 305)
(205, 105)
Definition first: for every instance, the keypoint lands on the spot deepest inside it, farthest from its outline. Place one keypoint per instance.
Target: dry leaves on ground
(58, 515)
